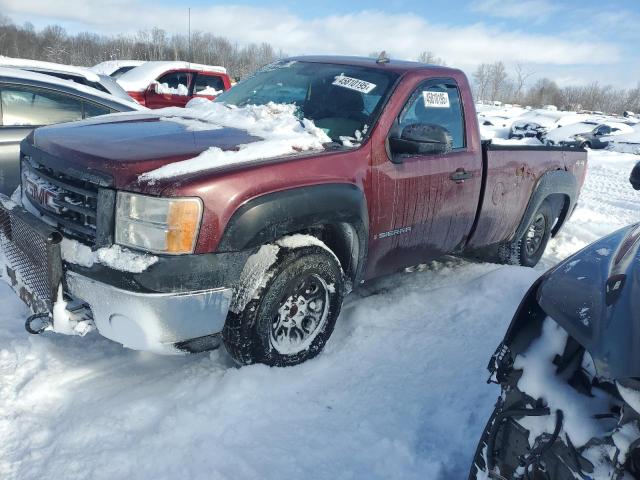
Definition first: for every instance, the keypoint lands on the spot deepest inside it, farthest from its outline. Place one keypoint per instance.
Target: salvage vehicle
(569, 369)
(588, 134)
(527, 129)
(29, 100)
(173, 229)
(161, 84)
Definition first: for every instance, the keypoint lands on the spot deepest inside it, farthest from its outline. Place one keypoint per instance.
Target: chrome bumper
(151, 321)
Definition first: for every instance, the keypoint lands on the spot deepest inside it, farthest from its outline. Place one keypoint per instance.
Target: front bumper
(156, 322)
(178, 304)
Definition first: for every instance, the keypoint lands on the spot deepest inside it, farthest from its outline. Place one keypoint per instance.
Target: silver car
(30, 100)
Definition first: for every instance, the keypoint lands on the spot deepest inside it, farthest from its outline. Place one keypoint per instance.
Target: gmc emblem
(41, 193)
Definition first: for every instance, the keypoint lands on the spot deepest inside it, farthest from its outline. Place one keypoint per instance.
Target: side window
(33, 106)
(208, 85)
(437, 104)
(174, 83)
(93, 110)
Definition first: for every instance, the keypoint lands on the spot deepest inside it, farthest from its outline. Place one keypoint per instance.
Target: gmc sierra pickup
(260, 253)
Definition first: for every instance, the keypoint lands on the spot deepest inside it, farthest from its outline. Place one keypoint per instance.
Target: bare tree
(429, 57)
(522, 76)
(497, 80)
(53, 44)
(481, 81)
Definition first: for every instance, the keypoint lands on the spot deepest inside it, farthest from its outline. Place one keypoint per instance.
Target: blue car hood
(595, 296)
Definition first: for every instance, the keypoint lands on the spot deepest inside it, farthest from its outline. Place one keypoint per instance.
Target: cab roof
(397, 66)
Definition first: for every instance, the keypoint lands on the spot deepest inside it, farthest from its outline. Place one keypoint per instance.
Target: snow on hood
(281, 133)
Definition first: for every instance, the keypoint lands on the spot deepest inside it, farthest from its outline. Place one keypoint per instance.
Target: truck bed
(511, 175)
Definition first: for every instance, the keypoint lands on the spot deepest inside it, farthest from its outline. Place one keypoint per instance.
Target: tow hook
(37, 323)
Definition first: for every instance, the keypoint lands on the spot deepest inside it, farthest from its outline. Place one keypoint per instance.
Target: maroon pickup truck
(259, 254)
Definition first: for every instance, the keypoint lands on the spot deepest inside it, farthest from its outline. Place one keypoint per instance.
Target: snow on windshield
(279, 131)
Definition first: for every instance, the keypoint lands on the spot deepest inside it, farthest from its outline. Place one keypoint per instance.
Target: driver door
(170, 90)
(426, 203)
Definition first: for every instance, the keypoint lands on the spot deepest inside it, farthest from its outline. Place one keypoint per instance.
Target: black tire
(585, 145)
(250, 333)
(529, 248)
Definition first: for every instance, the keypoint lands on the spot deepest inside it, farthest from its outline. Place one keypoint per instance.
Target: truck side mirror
(153, 88)
(635, 177)
(421, 139)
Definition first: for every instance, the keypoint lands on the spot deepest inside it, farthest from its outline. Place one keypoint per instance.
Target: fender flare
(555, 182)
(266, 218)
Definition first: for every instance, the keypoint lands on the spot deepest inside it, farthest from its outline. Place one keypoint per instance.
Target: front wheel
(528, 249)
(291, 314)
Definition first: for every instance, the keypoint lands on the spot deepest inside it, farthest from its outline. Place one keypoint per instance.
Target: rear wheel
(290, 317)
(585, 145)
(528, 249)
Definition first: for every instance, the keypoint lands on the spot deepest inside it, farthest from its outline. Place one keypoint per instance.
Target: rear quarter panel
(512, 176)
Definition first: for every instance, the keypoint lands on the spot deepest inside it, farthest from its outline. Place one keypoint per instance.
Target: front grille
(71, 202)
(32, 258)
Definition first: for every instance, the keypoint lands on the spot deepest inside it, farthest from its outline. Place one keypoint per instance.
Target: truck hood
(595, 296)
(123, 146)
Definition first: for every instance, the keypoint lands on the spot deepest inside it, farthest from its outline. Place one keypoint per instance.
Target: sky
(574, 42)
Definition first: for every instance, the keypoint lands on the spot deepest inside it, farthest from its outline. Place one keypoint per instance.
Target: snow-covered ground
(496, 123)
(399, 392)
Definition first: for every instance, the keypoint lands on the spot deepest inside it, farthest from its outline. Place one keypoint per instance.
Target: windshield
(342, 100)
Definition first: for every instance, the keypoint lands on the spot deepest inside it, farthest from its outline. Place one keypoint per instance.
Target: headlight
(158, 225)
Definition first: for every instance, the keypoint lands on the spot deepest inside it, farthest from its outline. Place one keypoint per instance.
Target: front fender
(266, 218)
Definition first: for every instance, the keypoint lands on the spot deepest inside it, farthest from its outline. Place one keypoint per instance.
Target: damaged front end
(569, 368)
(31, 263)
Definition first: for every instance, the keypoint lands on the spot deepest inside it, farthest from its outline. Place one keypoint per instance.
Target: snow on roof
(140, 77)
(626, 142)
(55, 81)
(110, 66)
(53, 67)
(623, 128)
(566, 133)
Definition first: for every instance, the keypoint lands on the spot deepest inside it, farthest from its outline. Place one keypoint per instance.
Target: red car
(173, 84)
(208, 229)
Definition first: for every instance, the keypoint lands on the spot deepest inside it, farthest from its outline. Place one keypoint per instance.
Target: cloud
(403, 35)
(536, 10)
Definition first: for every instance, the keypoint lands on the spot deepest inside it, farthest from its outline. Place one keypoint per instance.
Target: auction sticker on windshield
(436, 99)
(354, 84)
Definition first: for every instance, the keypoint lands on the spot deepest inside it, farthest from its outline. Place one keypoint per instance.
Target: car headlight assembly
(158, 225)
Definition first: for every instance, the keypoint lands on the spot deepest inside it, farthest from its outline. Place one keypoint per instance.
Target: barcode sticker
(436, 99)
(354, 84)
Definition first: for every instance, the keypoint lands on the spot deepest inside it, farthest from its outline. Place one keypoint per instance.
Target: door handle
(460, 175)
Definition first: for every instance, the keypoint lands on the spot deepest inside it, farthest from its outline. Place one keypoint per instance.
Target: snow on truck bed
(398, 393)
